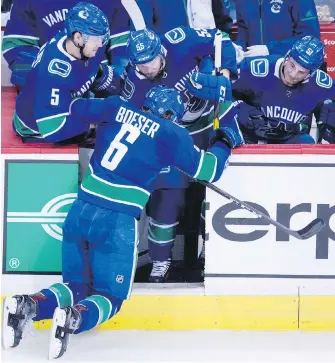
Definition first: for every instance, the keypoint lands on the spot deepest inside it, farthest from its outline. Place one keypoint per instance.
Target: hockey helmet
(165, 102)
(88, 20)
(143, 46)
(309, 52)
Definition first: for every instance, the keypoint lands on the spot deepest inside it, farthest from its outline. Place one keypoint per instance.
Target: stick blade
(311, 229)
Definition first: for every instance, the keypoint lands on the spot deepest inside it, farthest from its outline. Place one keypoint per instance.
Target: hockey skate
(160, 271)
(65, 322)
(18, 312)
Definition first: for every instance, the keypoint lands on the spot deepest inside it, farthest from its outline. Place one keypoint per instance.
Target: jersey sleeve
(20, 43)
(200, 43)
(304, 22)
(199, 164)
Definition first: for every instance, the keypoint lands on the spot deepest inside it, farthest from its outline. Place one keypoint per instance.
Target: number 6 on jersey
(117, 150)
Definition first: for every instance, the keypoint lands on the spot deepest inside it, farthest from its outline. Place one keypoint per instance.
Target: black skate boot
(160, 271)
(65, 322)
(18, 312)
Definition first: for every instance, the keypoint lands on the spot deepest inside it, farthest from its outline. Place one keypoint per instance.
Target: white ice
(182, 346)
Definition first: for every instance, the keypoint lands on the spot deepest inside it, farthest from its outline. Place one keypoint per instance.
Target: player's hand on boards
(209, 87)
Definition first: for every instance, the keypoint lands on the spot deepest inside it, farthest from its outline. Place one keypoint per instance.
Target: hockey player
(99, 248)
(170, 59)
(285, 91)
(54, 105)
(32, 23)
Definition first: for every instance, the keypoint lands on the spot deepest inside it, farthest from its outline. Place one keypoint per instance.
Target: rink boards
(255, 276)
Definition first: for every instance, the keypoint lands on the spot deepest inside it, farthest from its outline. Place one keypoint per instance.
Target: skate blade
(9, 307)
(55, 345)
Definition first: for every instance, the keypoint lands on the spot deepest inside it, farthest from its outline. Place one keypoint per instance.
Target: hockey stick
(310, 230)
(135, 13)
(217, 65)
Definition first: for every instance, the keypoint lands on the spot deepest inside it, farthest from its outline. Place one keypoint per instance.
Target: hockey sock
(57, 295)
(95, 310)
(161, 239)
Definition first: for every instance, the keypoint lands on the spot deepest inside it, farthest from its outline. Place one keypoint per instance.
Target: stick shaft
(135, 13)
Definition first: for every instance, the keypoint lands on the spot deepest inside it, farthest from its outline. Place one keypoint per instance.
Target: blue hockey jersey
(130, 152)
(184, 49)
(52, 104)
(260, 85)
(34, 22)
(278, 24)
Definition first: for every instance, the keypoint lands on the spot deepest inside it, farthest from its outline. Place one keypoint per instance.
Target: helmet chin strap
(81, 49)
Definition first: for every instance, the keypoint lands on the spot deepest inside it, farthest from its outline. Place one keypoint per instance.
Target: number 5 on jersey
(54, 97)
(117, 150)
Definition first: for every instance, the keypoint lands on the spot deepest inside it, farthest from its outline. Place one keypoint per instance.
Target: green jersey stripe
(10, 42)
(49, 125)
(207, 167)
(118, 35)
(22, 128)
(119, 41)
(130, 195)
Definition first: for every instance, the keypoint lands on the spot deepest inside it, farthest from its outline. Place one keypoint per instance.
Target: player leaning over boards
(285, 90)
(53, 105)
(170, 59)
(99, 248)
(33, 23)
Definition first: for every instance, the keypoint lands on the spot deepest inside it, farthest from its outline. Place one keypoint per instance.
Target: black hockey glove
(270, 129)
(281, 130)
(326, 124)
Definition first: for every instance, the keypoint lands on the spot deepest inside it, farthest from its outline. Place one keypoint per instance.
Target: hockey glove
(107, 82)
(209, 87)
(326, 124)
(281, 130)
(230, 134)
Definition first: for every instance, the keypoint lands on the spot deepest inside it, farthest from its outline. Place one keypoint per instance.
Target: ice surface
(182, 346)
